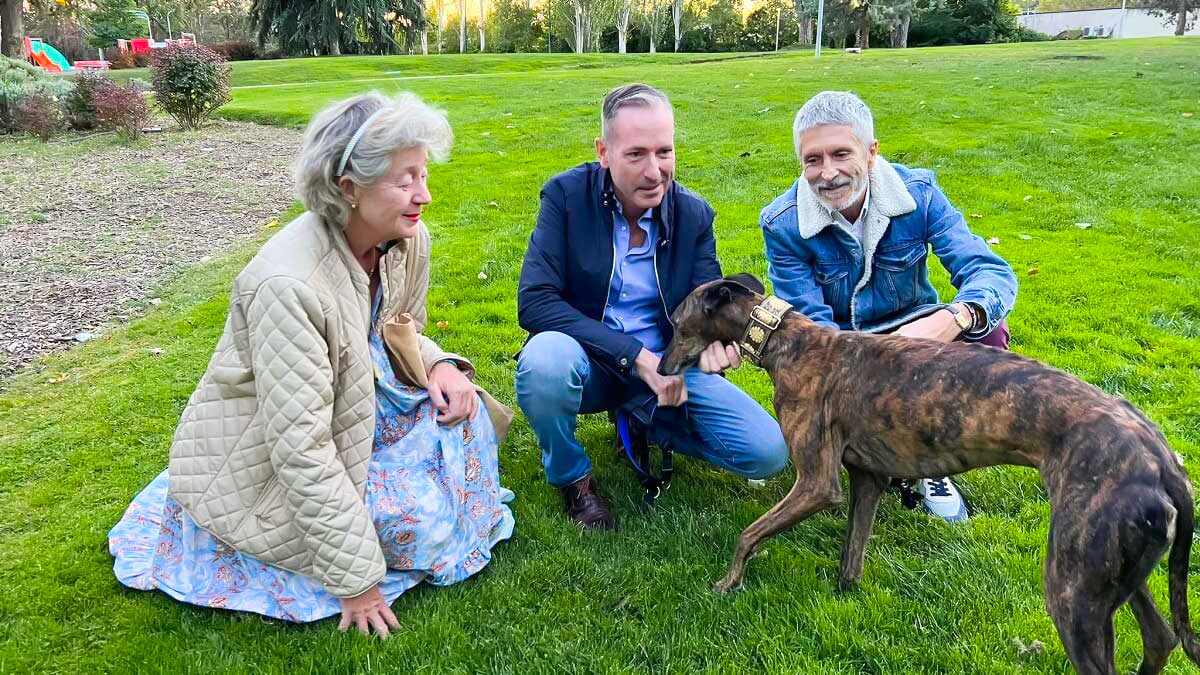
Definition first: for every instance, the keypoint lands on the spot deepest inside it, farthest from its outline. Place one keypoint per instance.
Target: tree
(1175, 11)
(462, 26)
(965, 22)
(677, 18)
(768, 18)
(652, 21)
(113, 20)
(624, 9)
(806, 19)
(516, 27)
(482, 25)
(12, 28)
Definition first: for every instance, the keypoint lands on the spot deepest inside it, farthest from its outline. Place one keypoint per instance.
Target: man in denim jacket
(847, 246)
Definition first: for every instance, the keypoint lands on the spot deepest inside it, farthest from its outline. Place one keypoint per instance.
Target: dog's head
(717, 311)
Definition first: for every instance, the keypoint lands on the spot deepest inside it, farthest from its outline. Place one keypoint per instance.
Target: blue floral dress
(434, 493)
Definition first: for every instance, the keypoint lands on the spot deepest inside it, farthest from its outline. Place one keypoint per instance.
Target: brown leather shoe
(586, 507)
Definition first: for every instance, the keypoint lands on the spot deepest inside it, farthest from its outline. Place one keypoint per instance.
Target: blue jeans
(720, 423)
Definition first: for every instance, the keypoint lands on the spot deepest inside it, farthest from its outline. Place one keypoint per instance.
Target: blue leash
(651, 484)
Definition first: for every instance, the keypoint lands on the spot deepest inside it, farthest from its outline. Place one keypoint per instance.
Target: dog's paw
(726, 585)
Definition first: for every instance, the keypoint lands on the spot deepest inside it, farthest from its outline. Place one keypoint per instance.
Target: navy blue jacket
(569, 264)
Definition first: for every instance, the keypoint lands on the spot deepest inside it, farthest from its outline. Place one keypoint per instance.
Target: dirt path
(88, 229)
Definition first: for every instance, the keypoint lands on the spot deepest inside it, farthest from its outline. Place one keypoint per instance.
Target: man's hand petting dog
(719, 357)
(670, 389)
(939, 326)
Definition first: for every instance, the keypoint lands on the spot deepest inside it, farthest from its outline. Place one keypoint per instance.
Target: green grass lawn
(1028, 140)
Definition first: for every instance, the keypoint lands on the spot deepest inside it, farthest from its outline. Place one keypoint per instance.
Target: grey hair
(635, 95)
(405, 122)
(835, 107)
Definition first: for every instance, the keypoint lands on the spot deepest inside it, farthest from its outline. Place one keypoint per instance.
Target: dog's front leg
(866, 489)
(817, 488)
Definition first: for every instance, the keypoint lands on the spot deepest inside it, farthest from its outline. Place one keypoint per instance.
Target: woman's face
(391, 207)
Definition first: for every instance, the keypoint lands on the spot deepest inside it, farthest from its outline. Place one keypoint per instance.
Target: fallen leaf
(494, 204)
(921, 103)
(61, 377)
(83, 337)
(1114, 134)
(737, 86)
(1033, 271)
(442, 325)
(745, 154)
(768, 108)
(482, 276)
(274, 223)
(1054, 131)
(956, 117)
(756, 482)
(1188, 114)
(1028, 197)
(993, 241)
(155, 301)
(155, 351)
(486, 133)
(1083, 226)
(501, 153)
(976, 215)
(1024, 237)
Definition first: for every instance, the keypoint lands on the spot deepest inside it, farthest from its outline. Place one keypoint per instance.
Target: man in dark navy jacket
(617, 247)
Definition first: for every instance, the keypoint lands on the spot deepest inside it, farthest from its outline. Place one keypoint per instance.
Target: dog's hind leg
(866, 488)
(1158, 640)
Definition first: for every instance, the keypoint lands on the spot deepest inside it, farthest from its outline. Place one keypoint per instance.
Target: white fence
(1128, 23)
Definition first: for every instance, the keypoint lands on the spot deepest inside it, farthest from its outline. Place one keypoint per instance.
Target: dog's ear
(722, 293)
(750, 281)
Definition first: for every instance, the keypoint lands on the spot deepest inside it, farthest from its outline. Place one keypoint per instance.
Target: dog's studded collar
(764, 319)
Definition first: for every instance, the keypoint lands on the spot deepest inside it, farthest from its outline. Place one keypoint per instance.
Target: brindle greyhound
(889, 406)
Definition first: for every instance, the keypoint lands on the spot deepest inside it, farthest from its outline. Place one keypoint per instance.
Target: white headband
(354, 141)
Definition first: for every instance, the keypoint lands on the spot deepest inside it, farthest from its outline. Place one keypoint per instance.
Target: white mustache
(833, 184)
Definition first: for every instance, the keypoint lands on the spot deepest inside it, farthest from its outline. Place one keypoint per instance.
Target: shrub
(237, 50)
(39, 114)
(19, 80)
(122, 109)
(190, 83)
(81, 114)
(124, 59)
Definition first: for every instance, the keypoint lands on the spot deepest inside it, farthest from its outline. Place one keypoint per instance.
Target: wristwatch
(965, 320)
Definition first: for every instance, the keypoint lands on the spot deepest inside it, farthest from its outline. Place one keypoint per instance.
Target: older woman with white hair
(312, 472)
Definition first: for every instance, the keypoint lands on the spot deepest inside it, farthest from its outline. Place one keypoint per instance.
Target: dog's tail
(1180, 492)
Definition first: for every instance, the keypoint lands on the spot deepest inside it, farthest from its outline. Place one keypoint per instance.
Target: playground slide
(49, 58)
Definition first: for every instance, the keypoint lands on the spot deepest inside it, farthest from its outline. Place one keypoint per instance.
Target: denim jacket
(824, 273)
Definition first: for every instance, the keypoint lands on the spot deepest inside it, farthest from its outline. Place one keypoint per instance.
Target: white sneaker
(942, 499)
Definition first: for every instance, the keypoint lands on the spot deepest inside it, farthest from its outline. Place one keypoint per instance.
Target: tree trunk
(901, 41)
(622, 26)
(482, 15)
(12, 29)
(1182, 22)
(582, 25)
(864, 29)
(677, 17)
(425, 42)
(462, 26)
(806, 30)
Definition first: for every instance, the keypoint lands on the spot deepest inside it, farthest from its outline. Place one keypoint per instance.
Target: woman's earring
(354, 205)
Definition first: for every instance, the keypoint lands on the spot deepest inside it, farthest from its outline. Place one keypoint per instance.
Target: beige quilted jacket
(271, 453)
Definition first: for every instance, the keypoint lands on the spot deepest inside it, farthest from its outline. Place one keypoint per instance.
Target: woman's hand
(452, 394)
(369, 610)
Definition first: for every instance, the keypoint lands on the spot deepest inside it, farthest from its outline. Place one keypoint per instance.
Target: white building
(1127, 23)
